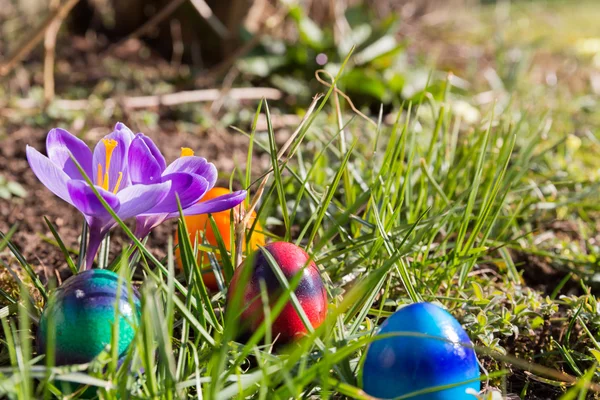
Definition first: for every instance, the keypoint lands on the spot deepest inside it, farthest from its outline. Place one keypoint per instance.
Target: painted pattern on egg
(310, 291)
(400, 365)
(83, 311)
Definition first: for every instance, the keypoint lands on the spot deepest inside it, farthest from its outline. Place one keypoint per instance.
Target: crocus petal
(221, 203)
(137, 199)
(144, 224)
(85, 200)
(118, 163)
(122, 132)
(48, 173)
(194, 165)
(143, 166)
(59, 143)
(189, 188)
(155, 151)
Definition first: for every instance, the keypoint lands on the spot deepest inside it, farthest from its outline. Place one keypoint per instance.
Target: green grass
(470, 215)
(428, 211)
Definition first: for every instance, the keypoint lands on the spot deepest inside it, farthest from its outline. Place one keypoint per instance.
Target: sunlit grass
(425, 209)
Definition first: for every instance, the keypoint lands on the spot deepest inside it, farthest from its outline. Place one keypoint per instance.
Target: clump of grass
(428, 209)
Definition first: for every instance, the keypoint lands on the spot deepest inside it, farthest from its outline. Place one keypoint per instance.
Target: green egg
(83, 311)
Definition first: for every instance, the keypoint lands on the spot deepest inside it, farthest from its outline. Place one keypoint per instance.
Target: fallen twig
(277, 121)
(171, 99)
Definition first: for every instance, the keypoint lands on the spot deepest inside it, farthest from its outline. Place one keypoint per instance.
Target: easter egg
(400, 365)
(310, 291)
(82, 311)
(201, 223)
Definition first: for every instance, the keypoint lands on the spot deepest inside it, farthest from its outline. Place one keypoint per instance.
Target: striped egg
(82, 310)
(399, 365)
(310, 291)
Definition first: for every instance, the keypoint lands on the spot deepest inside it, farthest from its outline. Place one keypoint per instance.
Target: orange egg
(199, 225)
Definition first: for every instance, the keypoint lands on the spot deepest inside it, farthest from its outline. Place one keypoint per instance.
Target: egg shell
(310, 291)
(400, 365)
(83, 311)
(200, 223)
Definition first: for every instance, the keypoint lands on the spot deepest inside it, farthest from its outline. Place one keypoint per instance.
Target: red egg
(310, 291)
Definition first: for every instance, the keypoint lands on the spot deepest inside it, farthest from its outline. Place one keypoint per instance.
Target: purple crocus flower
(190, 176)
(112, 179)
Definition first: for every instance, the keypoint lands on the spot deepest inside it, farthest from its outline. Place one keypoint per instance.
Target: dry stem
(50, 52)
(338, 91)
(210, 17)
(29, 43)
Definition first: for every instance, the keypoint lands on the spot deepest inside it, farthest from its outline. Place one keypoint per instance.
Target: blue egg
(400, 365)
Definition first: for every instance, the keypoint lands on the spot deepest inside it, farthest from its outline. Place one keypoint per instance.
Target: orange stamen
(109, 146)
(99, 176)
(186, 152)
(116, 189)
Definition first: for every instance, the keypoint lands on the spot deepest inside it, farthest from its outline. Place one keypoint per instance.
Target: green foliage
(9, 189)
(378, 71)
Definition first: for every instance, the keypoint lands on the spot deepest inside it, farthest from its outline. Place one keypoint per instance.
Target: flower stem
(94, 241)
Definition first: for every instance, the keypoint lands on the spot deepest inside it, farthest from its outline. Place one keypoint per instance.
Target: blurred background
(185, 71)
(88, 51)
